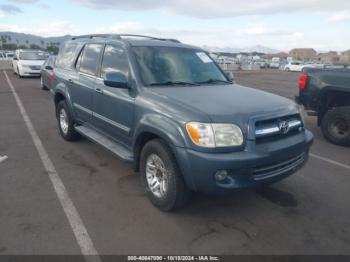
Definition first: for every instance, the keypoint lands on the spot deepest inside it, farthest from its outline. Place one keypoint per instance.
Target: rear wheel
(287, 69)
(161, 177)
(65, 122)
(336, 126)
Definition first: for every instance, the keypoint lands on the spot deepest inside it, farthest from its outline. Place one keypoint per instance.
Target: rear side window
(90, 59)
(114, 60)
(66, 55)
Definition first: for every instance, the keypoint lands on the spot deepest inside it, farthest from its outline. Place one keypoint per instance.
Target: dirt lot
(308, 213)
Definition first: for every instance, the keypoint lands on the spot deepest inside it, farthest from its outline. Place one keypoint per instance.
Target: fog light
(221, 175)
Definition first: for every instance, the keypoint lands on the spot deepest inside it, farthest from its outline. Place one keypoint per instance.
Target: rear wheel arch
(332, 98)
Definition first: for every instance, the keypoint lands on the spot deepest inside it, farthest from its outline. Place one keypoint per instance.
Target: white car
(294, 66)
(28, 62)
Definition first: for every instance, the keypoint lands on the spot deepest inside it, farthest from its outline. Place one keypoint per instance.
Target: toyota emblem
(283, 127)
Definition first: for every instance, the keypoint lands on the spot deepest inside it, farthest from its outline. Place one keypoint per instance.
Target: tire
(66, 125)
(175, 194)
(287, 69)
(19, 73)
(43, 87)
(336, 126)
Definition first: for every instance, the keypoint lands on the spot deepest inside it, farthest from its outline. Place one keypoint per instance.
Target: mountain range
(22, 39)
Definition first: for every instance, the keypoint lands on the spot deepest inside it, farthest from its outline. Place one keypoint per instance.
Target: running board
(106, 142)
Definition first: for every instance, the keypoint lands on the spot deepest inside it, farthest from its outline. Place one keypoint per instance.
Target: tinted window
(90, 58)
(114, 60)
(66, 55)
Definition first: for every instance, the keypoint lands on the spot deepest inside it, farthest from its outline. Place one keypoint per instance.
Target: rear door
(82, 87)
(114, 107)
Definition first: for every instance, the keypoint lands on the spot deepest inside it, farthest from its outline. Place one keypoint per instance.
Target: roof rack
(120, 36)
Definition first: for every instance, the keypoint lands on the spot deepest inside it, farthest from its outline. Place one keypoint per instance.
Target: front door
(113, 107)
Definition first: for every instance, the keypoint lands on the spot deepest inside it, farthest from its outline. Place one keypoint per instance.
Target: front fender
(62, 90)
(163, 127)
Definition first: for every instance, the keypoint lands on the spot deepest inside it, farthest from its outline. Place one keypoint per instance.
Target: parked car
(326, 94)
(9, 56)
(170, 110)
(28, 62)
(47, 74)
(294, 66)
(260, 63)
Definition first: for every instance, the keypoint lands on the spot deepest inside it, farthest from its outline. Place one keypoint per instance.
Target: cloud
(225, 37)
(220, 8)
(54, 28)
(9, 9)
(340, 17)
(24, 1)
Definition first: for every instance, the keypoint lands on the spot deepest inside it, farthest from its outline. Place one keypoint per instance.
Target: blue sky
(280, 24)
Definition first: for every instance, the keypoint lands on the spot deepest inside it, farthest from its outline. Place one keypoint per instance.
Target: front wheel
(19, 73)
(65, 122)
(336, 126)
(42, 85)
(162, 180)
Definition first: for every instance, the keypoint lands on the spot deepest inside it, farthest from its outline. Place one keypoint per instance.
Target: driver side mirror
(15, 58)
(116, 79)
(49, 68)
(230, 76)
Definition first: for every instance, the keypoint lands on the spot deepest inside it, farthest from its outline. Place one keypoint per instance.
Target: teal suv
(170, 110)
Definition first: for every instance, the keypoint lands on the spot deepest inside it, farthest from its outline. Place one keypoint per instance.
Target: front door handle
(99, 90)
(70, 81)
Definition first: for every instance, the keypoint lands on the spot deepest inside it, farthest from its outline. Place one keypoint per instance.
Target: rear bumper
(258, 165)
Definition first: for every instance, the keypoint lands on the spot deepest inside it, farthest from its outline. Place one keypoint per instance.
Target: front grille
(35, 67)
(262, 172)
(277, 127)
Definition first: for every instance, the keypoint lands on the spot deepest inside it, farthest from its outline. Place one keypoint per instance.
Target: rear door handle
(99, 90)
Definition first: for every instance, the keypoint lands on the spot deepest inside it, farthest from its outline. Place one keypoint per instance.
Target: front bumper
(30, 72)
(258, 164)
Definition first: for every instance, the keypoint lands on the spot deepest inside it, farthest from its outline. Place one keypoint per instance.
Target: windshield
(32, 56)
(176, 66)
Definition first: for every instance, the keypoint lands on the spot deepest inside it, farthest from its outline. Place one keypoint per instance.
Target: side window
(78, 62)
(114, 60)
(90, 59)
(66, 55)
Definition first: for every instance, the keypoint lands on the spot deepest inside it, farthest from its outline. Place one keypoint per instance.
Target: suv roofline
(120, 37)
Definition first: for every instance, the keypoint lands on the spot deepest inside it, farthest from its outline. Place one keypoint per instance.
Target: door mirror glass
(15, 58)
(49, 67)
(115, 79)
(230, 76)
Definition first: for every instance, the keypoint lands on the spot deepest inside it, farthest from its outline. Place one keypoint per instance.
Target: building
(345, 57)
(329, 57)
(281, 55)
(304, 54)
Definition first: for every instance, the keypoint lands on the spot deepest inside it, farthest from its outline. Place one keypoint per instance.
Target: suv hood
(227, 103)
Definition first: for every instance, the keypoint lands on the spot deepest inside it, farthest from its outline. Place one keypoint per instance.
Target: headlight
(301, 112)
(214, 135)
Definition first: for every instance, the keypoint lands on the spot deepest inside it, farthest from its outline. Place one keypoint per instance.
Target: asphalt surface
(307, 213)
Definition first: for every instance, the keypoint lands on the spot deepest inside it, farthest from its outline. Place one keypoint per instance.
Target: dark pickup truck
(326, 94)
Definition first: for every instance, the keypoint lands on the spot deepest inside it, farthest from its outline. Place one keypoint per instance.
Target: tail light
(303, 81)
(52, 76)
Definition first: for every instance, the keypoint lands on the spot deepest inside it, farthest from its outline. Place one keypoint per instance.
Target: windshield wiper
(173, 83)
(211, 80)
